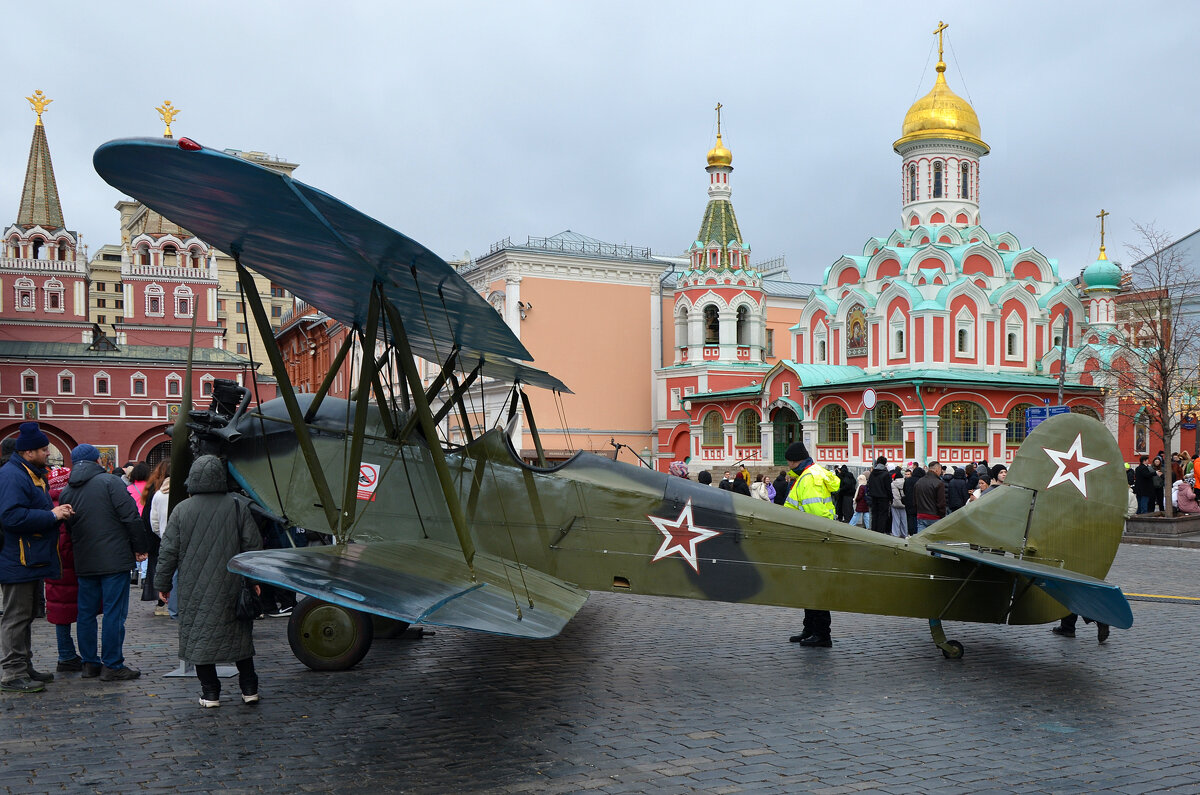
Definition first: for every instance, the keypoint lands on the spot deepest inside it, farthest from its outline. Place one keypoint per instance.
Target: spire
(167, 113)
(39, 196)
(1101, 217)
(719, 155)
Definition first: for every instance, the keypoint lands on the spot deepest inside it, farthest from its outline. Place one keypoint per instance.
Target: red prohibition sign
(366, 476)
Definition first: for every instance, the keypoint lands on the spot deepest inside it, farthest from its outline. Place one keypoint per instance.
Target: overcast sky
(463, 123)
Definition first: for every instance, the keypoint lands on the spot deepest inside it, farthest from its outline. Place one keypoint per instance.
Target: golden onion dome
(719, 155)
(941, 114)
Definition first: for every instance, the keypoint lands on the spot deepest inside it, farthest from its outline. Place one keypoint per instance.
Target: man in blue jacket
(108, 537)
(29, 555)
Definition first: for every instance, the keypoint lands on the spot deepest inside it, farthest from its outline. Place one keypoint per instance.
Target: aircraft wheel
(328, 637)
(953, 650)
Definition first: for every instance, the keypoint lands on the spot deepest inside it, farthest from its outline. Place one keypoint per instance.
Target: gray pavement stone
(650, 695)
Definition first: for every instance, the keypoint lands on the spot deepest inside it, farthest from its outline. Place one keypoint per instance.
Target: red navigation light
(188, 145)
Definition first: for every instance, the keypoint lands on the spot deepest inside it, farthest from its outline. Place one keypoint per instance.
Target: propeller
(181, 449)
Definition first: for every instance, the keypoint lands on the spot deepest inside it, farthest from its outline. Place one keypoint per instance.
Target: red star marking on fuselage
(1073, 465)
(681, 537)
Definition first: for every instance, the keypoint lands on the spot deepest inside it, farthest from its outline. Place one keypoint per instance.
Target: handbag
(249, 605)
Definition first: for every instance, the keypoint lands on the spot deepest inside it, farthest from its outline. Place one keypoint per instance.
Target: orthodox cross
(719, 106)
(941, 27)
(39, 103)
(167, 113)
(1101, 217)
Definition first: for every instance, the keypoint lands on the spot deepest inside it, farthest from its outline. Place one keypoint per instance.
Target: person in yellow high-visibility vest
(812, 493)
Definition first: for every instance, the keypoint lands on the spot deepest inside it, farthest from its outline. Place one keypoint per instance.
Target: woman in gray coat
(203, 533)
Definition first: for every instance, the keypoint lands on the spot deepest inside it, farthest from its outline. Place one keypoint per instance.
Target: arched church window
(831, 425)
(937, 180)
(962, 340)
(912, 183)
(713, 430)
(712, 325)
(170, 256)
(743, 325)
(962, 422)
(966, 181)
(1014, 431)
(1085, 410)
(887, 422)
(748, 431)
(143, 254)
(62, 251)
(39, 248)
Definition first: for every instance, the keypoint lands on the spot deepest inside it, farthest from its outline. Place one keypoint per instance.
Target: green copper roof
(39, 196)
(719, 226)
(1102, 274)
(11, 349)
(746, 391)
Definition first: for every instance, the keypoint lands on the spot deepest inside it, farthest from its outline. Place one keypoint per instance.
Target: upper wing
(323, 250)
(422, 582)
(1087, 596)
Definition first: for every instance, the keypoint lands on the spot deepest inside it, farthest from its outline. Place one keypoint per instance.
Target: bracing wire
(562, 418)
(961, 76)
(512, 543)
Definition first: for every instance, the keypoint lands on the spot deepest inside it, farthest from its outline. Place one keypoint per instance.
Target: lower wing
(422, 582)
(1079, 593)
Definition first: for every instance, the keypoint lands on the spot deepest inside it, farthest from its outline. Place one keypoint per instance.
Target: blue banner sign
(1036, 415)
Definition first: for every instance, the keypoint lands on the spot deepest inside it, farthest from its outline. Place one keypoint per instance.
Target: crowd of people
(1148, 482)
(76, 538)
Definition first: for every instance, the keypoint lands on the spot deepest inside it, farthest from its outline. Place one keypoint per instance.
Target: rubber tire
(329, 637)
(956, 654)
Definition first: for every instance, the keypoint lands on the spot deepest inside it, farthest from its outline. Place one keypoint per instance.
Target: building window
(1014, 339)
(966, 181)
(713, 430)
(66, 384)
(54, 295)
(102, 319)
(99, 287)
(29, 382)
(937, 180)
(886, 422)
(101, 384)
(154, 301)
(183, 301)
(138, 386)
(962, 422)
(220, 304)
(821, 350)
(770, 342)
(276, 311)
(278, 292)
(712, 325)
(206, 387)
(119, 304)
(831, 425)
(173, 386)
(237, 307)
(962, 340)
(102, 303)
(912, 183)
(964, 336)
(748, 431)
(743, 326)
(1014, 431)
(241, 328)
(897, 340)
(24, 298)
(241, 348)
(675, 402)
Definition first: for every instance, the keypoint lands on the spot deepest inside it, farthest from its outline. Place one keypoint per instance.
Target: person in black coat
(845, 495)
(1143, 485)
(782, 486)
(957, 490)
(740, 486)
(879, 495)
(910, 503)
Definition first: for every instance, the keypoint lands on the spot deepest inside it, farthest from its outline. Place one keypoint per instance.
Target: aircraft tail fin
(1063, 506)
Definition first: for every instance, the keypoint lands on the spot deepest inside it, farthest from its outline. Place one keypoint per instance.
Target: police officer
(812, 493)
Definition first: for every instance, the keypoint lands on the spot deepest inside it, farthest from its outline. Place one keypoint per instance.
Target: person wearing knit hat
(29, 554)
(812, 493)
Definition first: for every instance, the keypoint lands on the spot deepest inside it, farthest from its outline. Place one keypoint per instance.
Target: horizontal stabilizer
(1079, 593)
(422, 582)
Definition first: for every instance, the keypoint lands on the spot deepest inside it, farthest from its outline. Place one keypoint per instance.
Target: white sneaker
(210, 702)
(251, 699)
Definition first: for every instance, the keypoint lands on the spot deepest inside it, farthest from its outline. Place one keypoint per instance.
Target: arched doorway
(787, 430)
(160, 452)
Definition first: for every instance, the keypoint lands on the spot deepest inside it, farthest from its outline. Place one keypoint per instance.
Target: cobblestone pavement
(650, 695)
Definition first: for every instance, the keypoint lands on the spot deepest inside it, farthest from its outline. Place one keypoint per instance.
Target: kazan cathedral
(954, 329)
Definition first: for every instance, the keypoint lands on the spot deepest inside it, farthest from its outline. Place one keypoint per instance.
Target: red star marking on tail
(681, 537)
(1073, 465)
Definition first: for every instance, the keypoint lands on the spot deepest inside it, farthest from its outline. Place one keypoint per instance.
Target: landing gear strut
(951, 649)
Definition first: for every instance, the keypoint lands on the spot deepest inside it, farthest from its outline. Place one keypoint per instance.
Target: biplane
(470, 536)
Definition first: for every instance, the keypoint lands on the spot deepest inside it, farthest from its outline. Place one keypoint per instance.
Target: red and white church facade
(953, 328)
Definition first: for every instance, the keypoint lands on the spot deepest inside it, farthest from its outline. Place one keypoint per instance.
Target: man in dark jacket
(29, 554)
(930, 496)
(879, 495)
(1143, 485)
(910, 499)
(106, 532)
(782, 487)
(845, 495)
(957, 491)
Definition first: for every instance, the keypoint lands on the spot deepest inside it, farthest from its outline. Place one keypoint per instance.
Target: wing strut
(363, 402)
(429, 428)
(303, 438)
(537, 439)
(459, 391)
(319, 398)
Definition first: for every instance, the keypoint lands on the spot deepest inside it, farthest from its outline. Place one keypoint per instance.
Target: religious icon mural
(856, 332)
